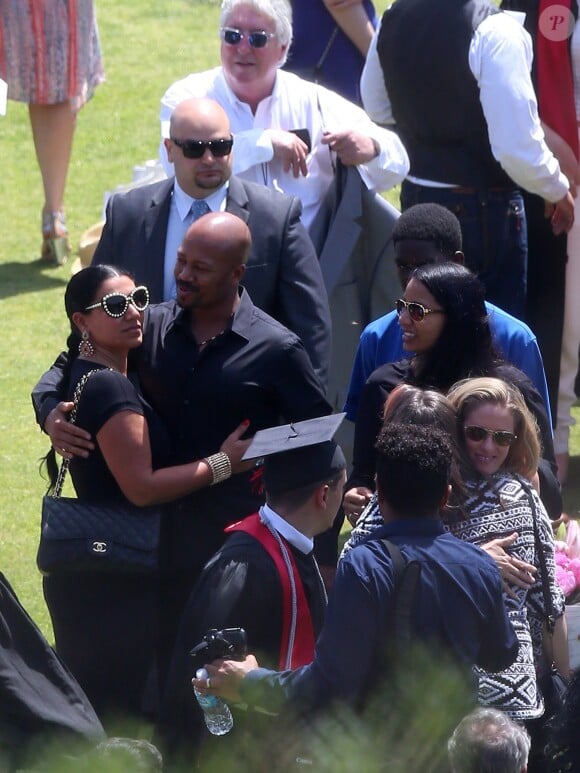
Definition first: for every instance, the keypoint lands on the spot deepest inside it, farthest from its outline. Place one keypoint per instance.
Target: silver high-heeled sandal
(55, 244)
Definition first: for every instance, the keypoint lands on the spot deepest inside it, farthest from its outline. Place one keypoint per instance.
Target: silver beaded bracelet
(220, 466)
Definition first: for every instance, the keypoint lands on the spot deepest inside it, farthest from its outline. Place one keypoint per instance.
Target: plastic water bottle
(216, 712)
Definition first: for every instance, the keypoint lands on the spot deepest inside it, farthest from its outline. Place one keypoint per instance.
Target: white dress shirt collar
(298, 540)
(234, 100)
(216, 201)
(229, 94)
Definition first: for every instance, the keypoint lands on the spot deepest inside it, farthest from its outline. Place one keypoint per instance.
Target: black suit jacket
(282, 277)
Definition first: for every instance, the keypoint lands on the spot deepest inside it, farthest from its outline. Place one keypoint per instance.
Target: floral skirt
(50, 51)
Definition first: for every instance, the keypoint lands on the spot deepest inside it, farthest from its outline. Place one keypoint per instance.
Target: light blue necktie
(199, 207)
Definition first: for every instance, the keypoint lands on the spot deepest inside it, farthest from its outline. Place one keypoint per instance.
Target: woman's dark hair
(464, 347)
(81, 291)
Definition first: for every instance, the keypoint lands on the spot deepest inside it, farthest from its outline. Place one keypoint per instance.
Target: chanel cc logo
(99, 547)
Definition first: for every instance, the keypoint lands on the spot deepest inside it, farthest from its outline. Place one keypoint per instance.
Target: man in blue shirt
(429, 233)
(456, 613)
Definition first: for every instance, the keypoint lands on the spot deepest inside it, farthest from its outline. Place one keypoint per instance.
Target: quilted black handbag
(77, 535)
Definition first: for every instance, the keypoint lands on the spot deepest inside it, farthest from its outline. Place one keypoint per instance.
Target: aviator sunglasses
(256, 39)
(416, 311)
(500, 437)
(116, 304)
(196, 148)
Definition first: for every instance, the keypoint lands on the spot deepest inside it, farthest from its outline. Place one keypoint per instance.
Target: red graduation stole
(303, 646)
(555, 82)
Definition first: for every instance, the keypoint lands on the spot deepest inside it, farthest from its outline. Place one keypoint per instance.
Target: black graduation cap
(299, 454)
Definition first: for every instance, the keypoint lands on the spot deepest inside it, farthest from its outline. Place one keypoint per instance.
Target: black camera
(227, 643)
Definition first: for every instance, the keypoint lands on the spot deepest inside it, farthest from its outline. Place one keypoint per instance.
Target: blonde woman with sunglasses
(499, 453)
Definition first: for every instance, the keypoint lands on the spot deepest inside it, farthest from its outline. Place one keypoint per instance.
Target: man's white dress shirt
(500, 58)
(293, 104)
(296, 538)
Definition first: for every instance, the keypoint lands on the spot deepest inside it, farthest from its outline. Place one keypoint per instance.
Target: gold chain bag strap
(84, 536)
(72, 420)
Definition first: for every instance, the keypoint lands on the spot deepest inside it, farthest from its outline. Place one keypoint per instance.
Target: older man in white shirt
(288, 131)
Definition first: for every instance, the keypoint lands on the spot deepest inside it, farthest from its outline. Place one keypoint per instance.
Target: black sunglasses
(500, 437)
(257, 39)
(416, 311)
(116, 304)
(196, 148)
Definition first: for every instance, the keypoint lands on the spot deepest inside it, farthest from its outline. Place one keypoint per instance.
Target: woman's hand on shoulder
(235, 448)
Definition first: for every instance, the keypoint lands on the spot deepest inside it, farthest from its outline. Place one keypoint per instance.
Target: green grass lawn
(147, 45)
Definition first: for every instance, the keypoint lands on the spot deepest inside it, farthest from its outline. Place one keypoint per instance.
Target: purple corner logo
(556, 23)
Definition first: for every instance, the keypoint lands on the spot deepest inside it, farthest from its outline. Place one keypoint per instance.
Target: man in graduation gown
(264, 579)
(388, 633)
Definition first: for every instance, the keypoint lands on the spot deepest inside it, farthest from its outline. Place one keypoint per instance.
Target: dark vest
(423, 47)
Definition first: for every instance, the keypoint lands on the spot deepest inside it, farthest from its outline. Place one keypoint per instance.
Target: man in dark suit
(145, 226)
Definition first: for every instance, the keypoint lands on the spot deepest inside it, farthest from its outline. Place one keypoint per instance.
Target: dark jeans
(547, 256)
(493, 225)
